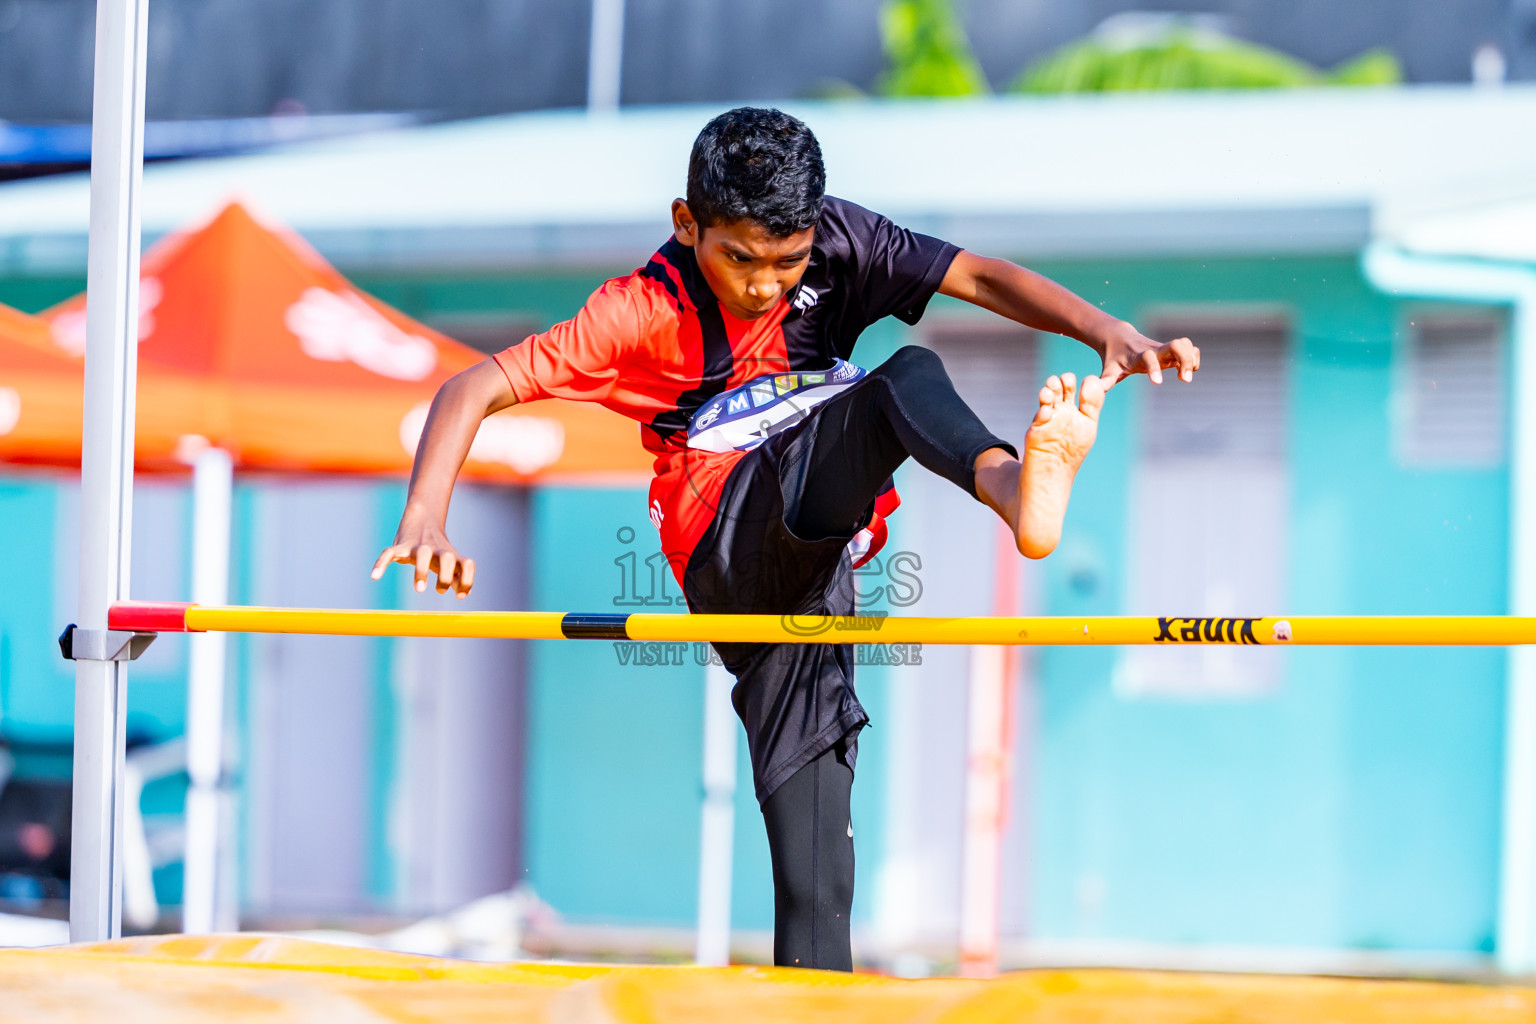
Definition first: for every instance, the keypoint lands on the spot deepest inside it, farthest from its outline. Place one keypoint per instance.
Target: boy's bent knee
(911, 359)
(912, 370)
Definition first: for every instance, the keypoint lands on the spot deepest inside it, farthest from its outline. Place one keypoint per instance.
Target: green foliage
(1184, 59)
(1373, 67)
(928, 50)
(831, 89)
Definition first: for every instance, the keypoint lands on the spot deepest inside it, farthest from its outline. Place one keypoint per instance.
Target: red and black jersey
(656, 345)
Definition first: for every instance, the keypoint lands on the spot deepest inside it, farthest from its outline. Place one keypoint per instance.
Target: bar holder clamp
(78, 644)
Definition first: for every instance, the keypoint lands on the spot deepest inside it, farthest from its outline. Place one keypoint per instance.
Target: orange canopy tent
(250, 340)
(250, 343)
(40, 394)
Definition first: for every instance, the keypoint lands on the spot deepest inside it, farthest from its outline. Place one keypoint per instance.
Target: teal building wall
(1357, 806)
(37, 695)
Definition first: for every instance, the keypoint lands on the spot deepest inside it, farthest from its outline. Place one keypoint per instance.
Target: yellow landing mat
(243, 978)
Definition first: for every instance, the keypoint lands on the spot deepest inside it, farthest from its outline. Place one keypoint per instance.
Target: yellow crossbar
(1312, 630)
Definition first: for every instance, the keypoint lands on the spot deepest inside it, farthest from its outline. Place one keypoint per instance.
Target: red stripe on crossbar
(149, 616)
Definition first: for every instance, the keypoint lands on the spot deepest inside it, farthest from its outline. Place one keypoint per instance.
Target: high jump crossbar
(1304, 630)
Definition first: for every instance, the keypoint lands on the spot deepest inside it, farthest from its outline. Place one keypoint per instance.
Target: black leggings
(810, 834)
(906, 407)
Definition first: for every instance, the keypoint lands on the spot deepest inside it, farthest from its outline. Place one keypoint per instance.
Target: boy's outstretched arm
(1035, 301)
(422, 539)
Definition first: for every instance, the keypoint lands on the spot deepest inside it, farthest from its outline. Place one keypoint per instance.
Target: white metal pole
(605, 58)
(106, 462)
(989, 760)
(213, 481)
(985, 790)
(1408, 276)
(717, 827)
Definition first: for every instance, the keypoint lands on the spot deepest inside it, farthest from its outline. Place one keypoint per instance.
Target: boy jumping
(774, 454)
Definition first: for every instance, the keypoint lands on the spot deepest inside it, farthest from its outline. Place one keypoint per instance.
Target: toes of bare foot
(1047, 406)
(1092, 397)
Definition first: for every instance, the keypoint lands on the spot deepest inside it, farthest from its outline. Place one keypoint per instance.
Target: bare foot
(1032, 498)
(1054, 448)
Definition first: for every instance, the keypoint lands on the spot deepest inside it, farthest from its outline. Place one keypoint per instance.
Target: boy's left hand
(1126, 351)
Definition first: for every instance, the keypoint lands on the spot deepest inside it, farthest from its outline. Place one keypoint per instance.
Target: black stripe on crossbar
(594, 627)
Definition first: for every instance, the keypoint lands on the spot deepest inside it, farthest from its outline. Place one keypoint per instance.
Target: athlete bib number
(748, 415)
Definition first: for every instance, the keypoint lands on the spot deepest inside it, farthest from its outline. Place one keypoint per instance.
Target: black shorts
(795, 700)
(821, 475)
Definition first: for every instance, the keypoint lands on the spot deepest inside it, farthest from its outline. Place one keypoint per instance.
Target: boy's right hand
(461, 404)
(425, 545)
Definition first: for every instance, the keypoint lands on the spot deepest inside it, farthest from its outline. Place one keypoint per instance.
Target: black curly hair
(756, 164)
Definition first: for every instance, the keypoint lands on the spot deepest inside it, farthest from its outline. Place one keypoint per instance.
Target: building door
(384, 775)
(1208, 508)
(457, 811)
(311, 814)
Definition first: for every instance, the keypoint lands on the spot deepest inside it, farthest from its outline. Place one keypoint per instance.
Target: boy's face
(748, 268)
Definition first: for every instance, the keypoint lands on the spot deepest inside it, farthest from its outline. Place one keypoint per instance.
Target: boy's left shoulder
(840, 218)
(847, 229)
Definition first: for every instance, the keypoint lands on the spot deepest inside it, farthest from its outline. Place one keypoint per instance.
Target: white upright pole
(605, 56)
(989, 762)
(718, 820)
(213, 482)
(985, 791)
(106, 463)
